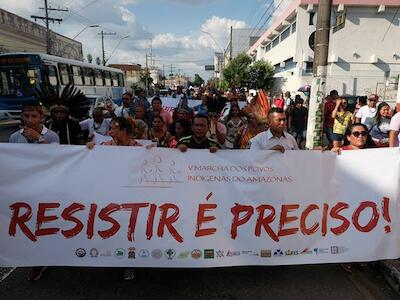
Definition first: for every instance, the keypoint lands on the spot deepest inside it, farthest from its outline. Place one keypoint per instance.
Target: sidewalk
(390, 270)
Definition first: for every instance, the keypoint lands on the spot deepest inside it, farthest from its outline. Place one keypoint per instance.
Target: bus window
(114, 78)
(98, 78)
(51, 73)
(107, 78)
(64, 74)
(88, 76)
(77, 75)
(19, 82)
(121, 79)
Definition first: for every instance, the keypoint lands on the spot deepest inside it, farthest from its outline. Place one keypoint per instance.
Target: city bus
(21, 73)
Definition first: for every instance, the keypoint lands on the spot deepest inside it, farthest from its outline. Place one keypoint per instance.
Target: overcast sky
(173, 28)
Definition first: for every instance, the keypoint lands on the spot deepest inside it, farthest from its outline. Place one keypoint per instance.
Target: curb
(390, 270)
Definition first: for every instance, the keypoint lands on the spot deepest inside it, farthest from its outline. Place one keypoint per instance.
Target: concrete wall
(364, 56)
(21, 35)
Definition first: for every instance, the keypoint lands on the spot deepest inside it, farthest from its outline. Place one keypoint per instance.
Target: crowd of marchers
(279, 123)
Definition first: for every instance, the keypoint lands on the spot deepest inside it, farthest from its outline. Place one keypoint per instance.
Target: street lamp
(115, 48)
(92, 26)
(211, 36)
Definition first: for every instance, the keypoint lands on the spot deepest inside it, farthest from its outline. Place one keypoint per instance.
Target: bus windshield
(19, 81)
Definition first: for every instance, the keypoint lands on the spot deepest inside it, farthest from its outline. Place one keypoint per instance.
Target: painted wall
(364, 56)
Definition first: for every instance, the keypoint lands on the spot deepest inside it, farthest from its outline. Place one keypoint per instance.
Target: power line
(243, 46)
(47, 19)
(267, 19)
(390, 24)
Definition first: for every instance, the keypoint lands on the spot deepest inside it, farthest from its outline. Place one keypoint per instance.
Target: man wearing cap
(139, 100)
(123, 110)
(366, 114)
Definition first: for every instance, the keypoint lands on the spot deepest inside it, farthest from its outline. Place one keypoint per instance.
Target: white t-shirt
(366, 114)
(93, 127)
(395, 126)
(122, 111)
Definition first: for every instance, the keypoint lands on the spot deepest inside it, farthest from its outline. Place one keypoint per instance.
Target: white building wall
(353, 50)
(367, 52)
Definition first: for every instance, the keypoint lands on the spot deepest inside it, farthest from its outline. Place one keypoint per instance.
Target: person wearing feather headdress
(65, 108)
(67, 128)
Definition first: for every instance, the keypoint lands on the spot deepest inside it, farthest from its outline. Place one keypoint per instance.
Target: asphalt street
(282, 282)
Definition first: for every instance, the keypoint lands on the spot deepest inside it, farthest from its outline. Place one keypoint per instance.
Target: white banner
(123, 206)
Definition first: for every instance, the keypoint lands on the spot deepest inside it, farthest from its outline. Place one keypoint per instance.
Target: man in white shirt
(123, 110)
(366, 113)
(98, 124)
(275, 138)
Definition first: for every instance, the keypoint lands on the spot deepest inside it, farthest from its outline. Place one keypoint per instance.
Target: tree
(89, 58)
(198, 81)
(146, 80)
(98, 61)
(236, 72)
(261, 75)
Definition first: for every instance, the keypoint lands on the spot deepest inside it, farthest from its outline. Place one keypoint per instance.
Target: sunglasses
(358, 133)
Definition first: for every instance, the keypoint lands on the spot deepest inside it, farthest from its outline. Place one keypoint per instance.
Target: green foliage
(145, 78)
(98, 61)
(241, 73)
(198, 81)
(89, 58)
(261, 75)
(236, 72)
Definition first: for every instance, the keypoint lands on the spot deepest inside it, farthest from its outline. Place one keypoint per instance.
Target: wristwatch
(41, 139)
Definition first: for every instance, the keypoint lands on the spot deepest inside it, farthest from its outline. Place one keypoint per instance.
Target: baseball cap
(373, 97)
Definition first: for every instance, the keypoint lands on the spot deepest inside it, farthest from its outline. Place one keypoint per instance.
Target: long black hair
(187, 127)
(368, 144)
(378, 117)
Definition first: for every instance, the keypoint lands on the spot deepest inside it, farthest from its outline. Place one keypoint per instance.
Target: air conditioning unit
(265, 41)
(306, 58)
(373, 59)
(381, 8)
(340, 8)
(282, 64)
(333, 58)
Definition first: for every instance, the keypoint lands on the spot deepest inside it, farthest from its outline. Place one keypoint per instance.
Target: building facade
(219, 63)
(21, 35)
(364, 56)
(132, 73)
(242, 40)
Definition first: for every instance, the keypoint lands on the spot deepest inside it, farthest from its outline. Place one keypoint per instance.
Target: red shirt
(328, 109)
(279, 103)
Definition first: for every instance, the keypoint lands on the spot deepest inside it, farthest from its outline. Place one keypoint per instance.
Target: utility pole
(230, 46)
(398, 94)
(318, 86)
(163, 73)
(46, 20)
(146, 78)
(102, 33)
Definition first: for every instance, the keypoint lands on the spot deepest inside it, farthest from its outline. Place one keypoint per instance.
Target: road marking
(7, 274)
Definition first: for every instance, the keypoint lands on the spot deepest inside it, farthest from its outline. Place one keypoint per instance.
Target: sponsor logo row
(133, 253)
